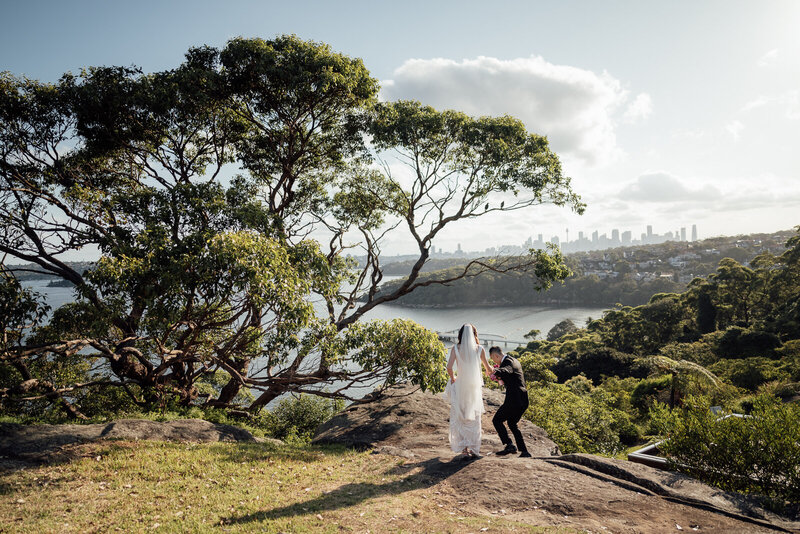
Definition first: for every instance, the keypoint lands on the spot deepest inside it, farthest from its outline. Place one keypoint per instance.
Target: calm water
(512, 323)
(54, 297)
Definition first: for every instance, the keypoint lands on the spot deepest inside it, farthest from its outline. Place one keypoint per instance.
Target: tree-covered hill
(628, 276)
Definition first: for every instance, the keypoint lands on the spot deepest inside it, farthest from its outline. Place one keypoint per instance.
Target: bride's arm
(450, 363)
(485, 362)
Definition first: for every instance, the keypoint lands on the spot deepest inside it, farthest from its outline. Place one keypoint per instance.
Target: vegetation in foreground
(732, 341)
(174, 487)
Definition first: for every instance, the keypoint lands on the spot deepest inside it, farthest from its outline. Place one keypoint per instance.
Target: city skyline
(596, 241)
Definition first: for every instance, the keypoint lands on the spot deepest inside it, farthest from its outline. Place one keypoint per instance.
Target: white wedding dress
(465, 396)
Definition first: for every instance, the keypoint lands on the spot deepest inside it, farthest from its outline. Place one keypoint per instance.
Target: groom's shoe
(510, 449)
(525, 454)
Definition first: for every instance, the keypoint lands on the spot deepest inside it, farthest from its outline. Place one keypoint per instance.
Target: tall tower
(694, 232)
(683, 233)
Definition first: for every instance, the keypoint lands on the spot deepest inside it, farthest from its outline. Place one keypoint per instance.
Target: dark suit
(510, 372)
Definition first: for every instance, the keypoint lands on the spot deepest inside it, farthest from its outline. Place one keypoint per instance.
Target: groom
(510, 372)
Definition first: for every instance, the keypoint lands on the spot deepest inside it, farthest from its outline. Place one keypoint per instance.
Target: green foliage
(790, 356)
(519, 290)
(597, 363)
(706, 313)
(651, 390)
(738, 342)
(643, 329)
(580, 422)
(537, 368)
(205, 291)
(296, 419)
(561, 329)
(755, 454)
(750, 373)
(406, 351)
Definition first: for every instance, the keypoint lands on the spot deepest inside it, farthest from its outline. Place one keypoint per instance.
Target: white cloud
(663, 194)
(758, 102)
(735, 128)
(787, 103)
(576, 109)
(639, 109)
(768, 58)
(659, 187)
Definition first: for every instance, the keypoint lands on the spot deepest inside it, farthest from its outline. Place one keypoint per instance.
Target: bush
(749, 373)
(738, 342)
(536, 368)
(580, 422)
(567, 326)
(650, 390)
(297, 418)
(598, 363)
(756, 454)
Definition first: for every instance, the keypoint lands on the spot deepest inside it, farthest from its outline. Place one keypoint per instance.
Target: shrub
(649, 390)
(749, 373)
(536, 368)
(297, 418)
(756, 454)
(597, 363)
(580, 422)
(738, 342)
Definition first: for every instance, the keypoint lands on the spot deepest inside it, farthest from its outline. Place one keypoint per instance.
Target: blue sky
(669, 113)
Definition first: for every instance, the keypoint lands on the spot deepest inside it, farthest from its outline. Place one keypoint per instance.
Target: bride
(464, 391)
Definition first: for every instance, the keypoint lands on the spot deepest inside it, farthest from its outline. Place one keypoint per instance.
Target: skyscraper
(683, 233)
(694, 232)
(615, 235)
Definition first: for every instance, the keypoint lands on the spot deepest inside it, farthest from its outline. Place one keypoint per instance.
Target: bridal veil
(465, 395)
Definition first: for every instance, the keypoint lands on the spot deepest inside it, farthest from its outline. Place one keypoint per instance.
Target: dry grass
(231, 487)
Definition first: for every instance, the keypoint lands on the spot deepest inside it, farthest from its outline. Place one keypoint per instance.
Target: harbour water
(511, 323)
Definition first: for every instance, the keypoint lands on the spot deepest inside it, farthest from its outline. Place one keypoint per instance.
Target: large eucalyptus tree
(227, 200)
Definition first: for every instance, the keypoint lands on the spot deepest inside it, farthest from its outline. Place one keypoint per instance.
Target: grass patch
(231, 487)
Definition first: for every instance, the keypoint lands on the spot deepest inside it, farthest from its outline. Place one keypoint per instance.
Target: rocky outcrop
(406, 418)
(575, 490)
(38, 442)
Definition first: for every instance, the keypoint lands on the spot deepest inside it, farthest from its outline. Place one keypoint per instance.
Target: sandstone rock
(407, 418)
(579, 491)
(35, 442)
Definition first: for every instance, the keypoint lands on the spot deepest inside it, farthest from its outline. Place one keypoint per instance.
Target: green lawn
(231, 487)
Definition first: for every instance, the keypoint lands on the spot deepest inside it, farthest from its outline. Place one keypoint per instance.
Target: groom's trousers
(511, 414)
